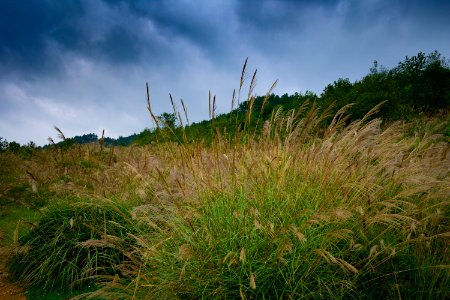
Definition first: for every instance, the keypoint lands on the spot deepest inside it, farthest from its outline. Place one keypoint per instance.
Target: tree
(340, 91)
(31, 145)
(14, 147)
(3, 144)
(424, 82)
(418, 84)
(167, 120)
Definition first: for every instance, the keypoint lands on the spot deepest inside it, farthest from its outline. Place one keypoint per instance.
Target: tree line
(418, 85)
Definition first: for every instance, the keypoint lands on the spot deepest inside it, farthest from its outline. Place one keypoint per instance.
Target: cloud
(94, 95)
(116, 32)
(55, 110)
(82, 64)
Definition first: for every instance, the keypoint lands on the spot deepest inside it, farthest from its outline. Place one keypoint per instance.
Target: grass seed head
(242, 255)
(185, 252)
(252, 281)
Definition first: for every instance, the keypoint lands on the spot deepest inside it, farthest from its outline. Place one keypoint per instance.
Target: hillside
(337, 196)
(419, 85)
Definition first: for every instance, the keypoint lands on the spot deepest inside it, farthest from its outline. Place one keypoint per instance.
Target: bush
(72, 244)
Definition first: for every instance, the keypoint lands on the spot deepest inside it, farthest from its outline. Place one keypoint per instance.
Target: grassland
(299, 209)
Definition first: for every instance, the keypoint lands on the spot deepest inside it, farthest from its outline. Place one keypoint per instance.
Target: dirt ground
(8, 290)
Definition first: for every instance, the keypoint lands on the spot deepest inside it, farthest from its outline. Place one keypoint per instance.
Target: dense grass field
(301, 210)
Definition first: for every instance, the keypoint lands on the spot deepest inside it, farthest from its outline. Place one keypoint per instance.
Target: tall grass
(297, 210)
(75, 242)
(302, 211)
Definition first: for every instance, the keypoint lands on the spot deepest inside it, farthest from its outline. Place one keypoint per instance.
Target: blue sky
(82, 65)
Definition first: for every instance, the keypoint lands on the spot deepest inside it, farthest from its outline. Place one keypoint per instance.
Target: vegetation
(278, 199)
(419, 85)
(73, 243)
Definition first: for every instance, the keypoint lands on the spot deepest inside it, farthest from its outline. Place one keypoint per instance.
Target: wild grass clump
(75, 242)
(301, 211)
(237, 247)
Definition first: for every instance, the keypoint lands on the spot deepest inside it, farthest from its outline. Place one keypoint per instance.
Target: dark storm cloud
(356, 14)
(179, 18)
(276, 14)
(83, 64)
(361, 15)
(31, 33)
(25, 28)
(209, 26)
(114, 31)
(291, 19)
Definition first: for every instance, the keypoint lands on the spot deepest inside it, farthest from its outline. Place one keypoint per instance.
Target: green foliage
(167, 120)
(93, 138)
(120, 141)
(13, 216)
(14, 147)
(278, 249)
(238, 247)
(75, 241)
(37, 294)
(25, 151)
(22, 194)
(85, 138)
(419, 84)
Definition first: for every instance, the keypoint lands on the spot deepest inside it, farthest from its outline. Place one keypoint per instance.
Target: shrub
(73, 243)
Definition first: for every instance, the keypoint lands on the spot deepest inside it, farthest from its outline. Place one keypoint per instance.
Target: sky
(82, 65)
